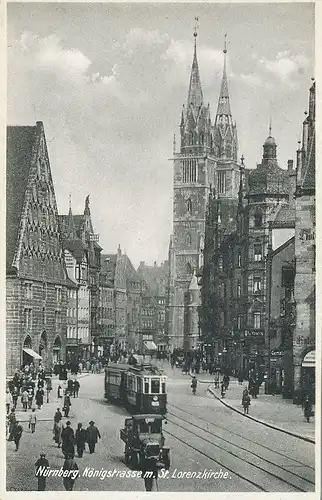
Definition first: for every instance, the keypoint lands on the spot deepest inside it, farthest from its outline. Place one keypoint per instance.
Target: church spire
(71, 226)
(195, 96)
(223, 103)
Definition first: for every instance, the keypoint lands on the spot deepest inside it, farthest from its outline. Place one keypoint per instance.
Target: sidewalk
(48, 409)
(271, 411)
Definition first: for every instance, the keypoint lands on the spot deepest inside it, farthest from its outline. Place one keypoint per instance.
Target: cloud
(286, 66)
(252, 79)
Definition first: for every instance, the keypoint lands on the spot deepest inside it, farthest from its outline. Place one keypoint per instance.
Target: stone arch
(27, 342)
(43, 346)
(57, 349)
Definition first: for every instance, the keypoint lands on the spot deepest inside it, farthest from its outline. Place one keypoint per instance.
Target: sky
(109, 80)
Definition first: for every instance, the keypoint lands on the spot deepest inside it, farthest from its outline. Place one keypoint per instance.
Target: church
(207, 158)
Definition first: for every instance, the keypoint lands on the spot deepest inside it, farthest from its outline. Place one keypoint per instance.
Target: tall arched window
(188, 268)
(188, 239)
(258, 219)
(189, 206)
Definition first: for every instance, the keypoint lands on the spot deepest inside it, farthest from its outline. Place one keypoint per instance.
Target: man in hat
(68, 439)
(92, 434)
(40, 465)
(71, 466)
(16, 434)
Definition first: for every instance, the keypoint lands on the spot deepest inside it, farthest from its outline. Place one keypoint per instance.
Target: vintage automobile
(144, 442)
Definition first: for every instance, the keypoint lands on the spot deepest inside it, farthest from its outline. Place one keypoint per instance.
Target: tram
(142, 389)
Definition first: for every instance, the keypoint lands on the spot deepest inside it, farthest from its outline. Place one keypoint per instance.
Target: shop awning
(150, 345)
(32, 353)
(309, 360)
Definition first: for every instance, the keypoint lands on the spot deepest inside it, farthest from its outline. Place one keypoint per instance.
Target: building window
(44, 291)
(28, 290)
(189, 206)
(257, 252)
(28, 318)
(188, 268)
(221, 182)
(57, 318)
(222, 318)
(189, 171)
(188, 239)
(258, 219)
(257, 285)
(58, 295)
(238, 289)
(44, 315)
(239, 260)
(220, 263)
(239, 321)
(257, 320)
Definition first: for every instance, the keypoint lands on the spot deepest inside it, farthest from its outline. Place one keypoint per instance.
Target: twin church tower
(205, 166)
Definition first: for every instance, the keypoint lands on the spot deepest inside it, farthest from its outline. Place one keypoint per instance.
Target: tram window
(139, 384)
(155, 386)
(156, 428)
(143, 427)
(146, 387)
(163, 387)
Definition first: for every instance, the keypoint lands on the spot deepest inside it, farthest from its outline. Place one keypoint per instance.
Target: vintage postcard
(161, 249)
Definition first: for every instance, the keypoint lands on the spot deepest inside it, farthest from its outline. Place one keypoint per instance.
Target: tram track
(241, 436)
(293, 480)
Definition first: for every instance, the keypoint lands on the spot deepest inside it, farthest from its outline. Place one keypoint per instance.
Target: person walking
(16, 434)
(12, 422)
(57, 429)
(92, 435)
(30, 398)
(76, 386)
(67, 404)
(71, 466)
(32, 421)
(68, 440)
(194, 385)
(226, 381)
(307, 408)
(39, 398)
(245, 401)
(80, 439)
(8, 401)
(41, 462)
(24, 398)
(59, 392)
(15, 395)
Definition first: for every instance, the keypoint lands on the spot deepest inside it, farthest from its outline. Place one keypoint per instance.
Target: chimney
(289, 165)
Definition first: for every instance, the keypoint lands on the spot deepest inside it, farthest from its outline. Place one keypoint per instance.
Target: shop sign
(309, 360)
(253, 333)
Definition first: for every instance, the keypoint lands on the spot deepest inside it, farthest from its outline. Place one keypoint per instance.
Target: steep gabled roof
(308, 182)
(76, 248)
(20, 142)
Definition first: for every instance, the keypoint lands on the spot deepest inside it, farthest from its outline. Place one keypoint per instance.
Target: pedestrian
(59, 392)
(12, 422)
(39, 398)
(48, 387)
(24, 398)
(32, 421)
(41, 383)
(16, 434)
(70, 384)
(240, 377)
(76, 386)
(67, 404)
(223, 389)
(30, 398)
(92, 435)
(307, 408)
(8, 401)
(71, 466)
(68, 440)
(80, 440)
(246, 401)
(15, 395)
(216, 379)
(41, 464)
(226, 381)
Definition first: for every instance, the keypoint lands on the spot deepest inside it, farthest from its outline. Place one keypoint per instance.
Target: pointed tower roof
(71, 230)
(224, 103)
(195, 96)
